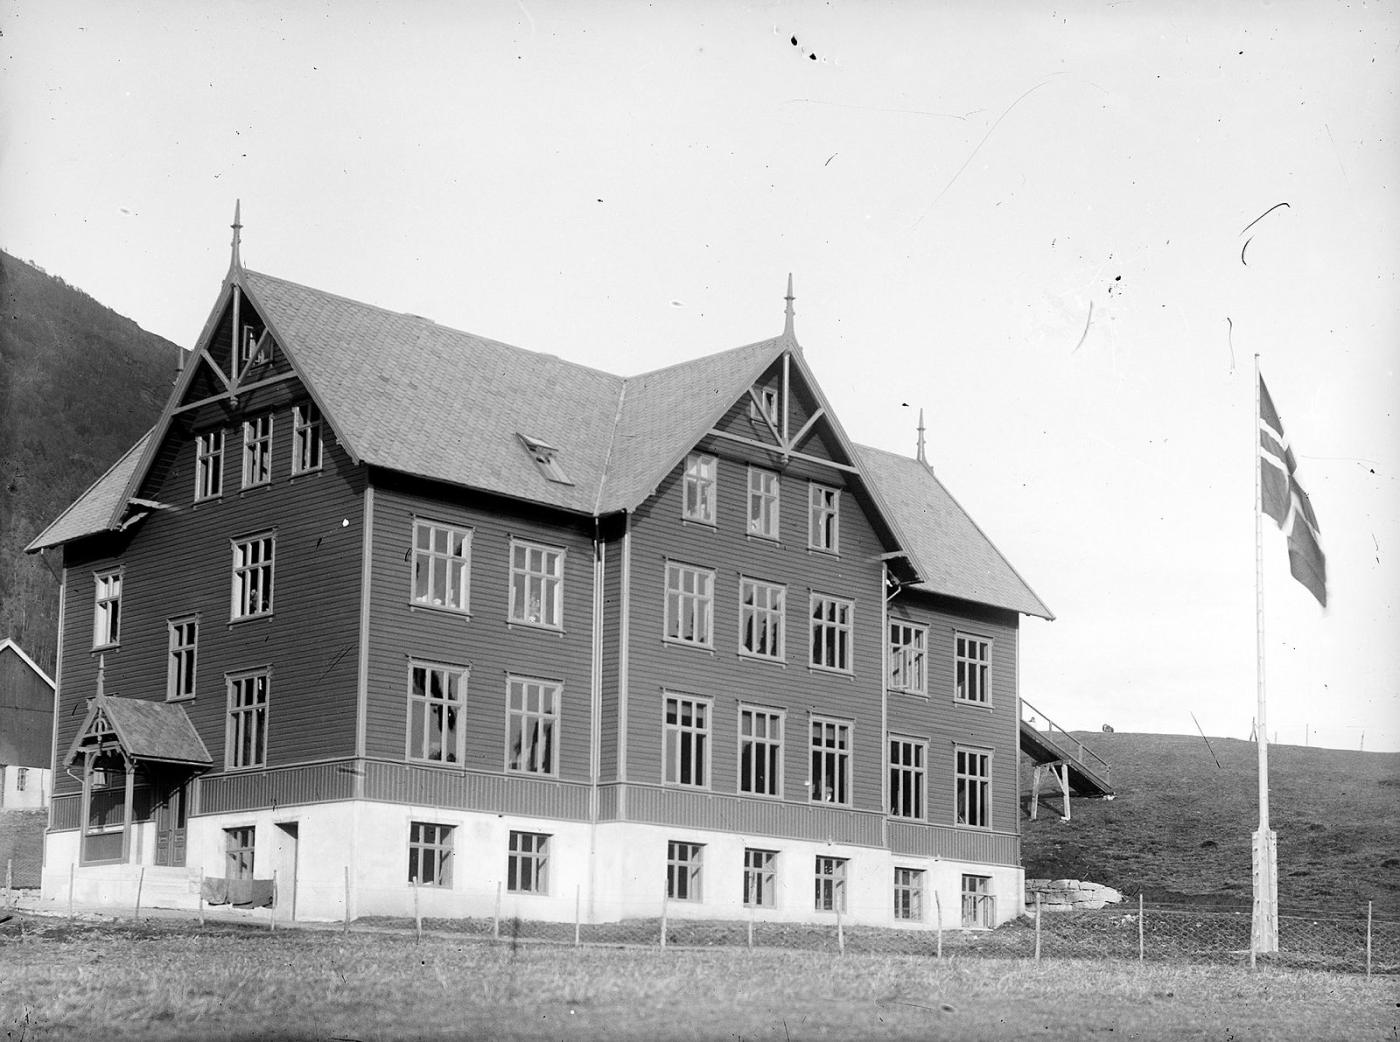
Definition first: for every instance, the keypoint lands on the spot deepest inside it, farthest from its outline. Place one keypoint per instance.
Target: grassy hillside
(1179, 827)
(78, 384)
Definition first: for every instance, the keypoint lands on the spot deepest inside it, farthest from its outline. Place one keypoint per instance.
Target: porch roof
(159, 732)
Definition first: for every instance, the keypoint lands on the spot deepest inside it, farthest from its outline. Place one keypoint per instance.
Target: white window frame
(254, 563)
(257, 451)
(767, 405)
(532, 722)
(700, 489)
(979, 904)
(823, 518)
(908, 657)
(436, 713)
(832, 622)
(830, 876)
(972, 668)
(209, 465)
(431, 843)
(107, 608)
(446, 557)
(686, 742)
(689, 616)
(249, 704)
(762, 619)
(831, 745)
(684, 871)
(761, 744)
(764, 503)
(527, 577)
(308, 447)
(909, 893)
(182, 659)
(972, 791)
(908, 765)
(760, 878)
(527, 862)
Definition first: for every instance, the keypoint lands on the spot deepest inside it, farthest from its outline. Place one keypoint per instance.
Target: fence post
(496, 920)
(1368, 938)
(578, 903)
(272, 908)
(140, 881)
(201, 895)
(9, 881)
(72, 870)
(751, 915)
(347, 899)
(417, 914)
(1037, 926)
(664, 901)
(840, 929)
(938, 922)
(1141, 949)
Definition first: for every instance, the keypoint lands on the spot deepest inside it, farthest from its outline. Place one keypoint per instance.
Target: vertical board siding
(314, 783)
(457, 790)
(777, 818)
(954, 844)
(26, 713)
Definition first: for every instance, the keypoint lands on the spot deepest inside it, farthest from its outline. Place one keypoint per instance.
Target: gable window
(979, 905)
(536, 584)
(831, 632)
(247, 351)
(831, 884)
(823, 518)
(974, 787)
(763, 503)
(209, 465)
(831, 761)
(257, 451)
(907, 778)
(306, 438)
(184, 641)
(908, 893)
(527, 865)
(683, 870)
(690, 597)
(239, 845)
(699, 493)
(252, 576)
(760, 751)
(908, 671)
(760, 878)
(430, 854)
(436, 699)
(687, 741)
(441, 565)
(530, 738)
(973, 663)
(764, 405)
(245, 742)
(107, 609)
(761, 608)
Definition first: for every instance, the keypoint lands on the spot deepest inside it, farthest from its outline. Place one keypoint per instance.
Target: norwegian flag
(1283, 499)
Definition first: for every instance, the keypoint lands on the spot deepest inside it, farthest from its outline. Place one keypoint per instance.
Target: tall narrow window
(683, 870)
(700, 477)
(973, 658)
(979, 907)
(766, 406)
(690, 603)
(441, 565)
(527, 864)
(104, 814)
(907, 778)
(831, 761)
(760, 751)
(536, 584)
(760, 878)
(533, 714)
(687, 741)
(257, 451)
(908, 893)
(761, 613)
(245, 741)
(107, 609)
(436, 699)
(252, 576)
(430, 854)
(238, 852)
(184, 643)
(831, 632)
(831, 884)
(907, 658)
(823, 518)
(306, 438)
(209, 465)
(974, 784)
(763, 503)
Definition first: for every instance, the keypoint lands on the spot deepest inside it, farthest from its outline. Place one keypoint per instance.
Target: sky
(1062, 230)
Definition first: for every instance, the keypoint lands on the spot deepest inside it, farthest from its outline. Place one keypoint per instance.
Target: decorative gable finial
(787, 320)
(235, 261)
(921, 458)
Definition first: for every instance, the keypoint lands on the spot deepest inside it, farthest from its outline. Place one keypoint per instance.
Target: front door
(171, 826)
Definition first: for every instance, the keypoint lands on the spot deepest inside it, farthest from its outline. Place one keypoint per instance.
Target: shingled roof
(152, 731)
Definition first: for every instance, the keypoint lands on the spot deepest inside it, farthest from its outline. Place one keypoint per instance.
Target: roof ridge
(704, 358)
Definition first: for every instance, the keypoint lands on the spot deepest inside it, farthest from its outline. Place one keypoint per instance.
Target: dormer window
(546, 458)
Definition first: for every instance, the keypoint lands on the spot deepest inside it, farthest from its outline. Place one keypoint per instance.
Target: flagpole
(1264, 932)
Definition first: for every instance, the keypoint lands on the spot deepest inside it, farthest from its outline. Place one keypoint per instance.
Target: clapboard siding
(178, 562)
(483, 641)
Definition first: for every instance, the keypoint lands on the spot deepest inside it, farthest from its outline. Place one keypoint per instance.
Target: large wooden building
(26, 730)
(398, 613)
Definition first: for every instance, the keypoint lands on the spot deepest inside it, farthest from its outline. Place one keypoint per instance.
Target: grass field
(172, 980)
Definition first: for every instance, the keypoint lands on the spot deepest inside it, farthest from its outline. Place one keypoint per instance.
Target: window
(974, 783)
(257, 451)
(760, 752)
(690, 599)
(536, 584)
(766, 407)
(761, 607)
(441, 565)
(831, 761)
(760, 878)
(306, 438)
(979, 905)
(823, 518)
(238, 847)
(687, 746)
(907, 658)
(107, 611)
(973, 657)
(763, 503)
(104, 809)
(209, 465)
(831, 632)
(246, 740)
(546, 459)
(534, 710)
(252, 576)
(527, 867)
(683, 870)
(436, 699)
(21, 778)
(429, 854)
(700, 476)
(908, 893)
(907, 778)
(831, 884)
(247, 350)
(184, 639)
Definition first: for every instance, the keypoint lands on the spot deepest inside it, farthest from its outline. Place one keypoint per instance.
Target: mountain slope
(1179, 827)
(78, 384)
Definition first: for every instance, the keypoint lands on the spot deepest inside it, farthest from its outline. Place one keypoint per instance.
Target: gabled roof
(9, 645)
(92, 511)
(953, 555)
(152, 731)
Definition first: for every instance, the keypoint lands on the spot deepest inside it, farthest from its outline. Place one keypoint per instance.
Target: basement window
(546, 459)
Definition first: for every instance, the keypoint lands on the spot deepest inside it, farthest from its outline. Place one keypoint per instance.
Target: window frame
(900, 653)
(257, 451)
(764, 617)
(841, 754)
(760, 878)
(909, 894)
(681, 604)
(771, 746)
(516, 614)
(980, 900)
(449, 561)
(209, 465)
(307, 440)
(767, 406)
(676, 733)
(107, 607)
(182, 658)
(841, 632)
(238, 713)
(685, 863)
(240, 595)
(963, 662)
(916, 773)
(820, 537)
(436, 848)
(700, 482)
(830, 875)
(550, 718)
(966, 783)
(767, 523)
(456, 756)
(528, 859)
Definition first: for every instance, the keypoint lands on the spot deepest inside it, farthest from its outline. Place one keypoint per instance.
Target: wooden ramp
(1046, 742)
